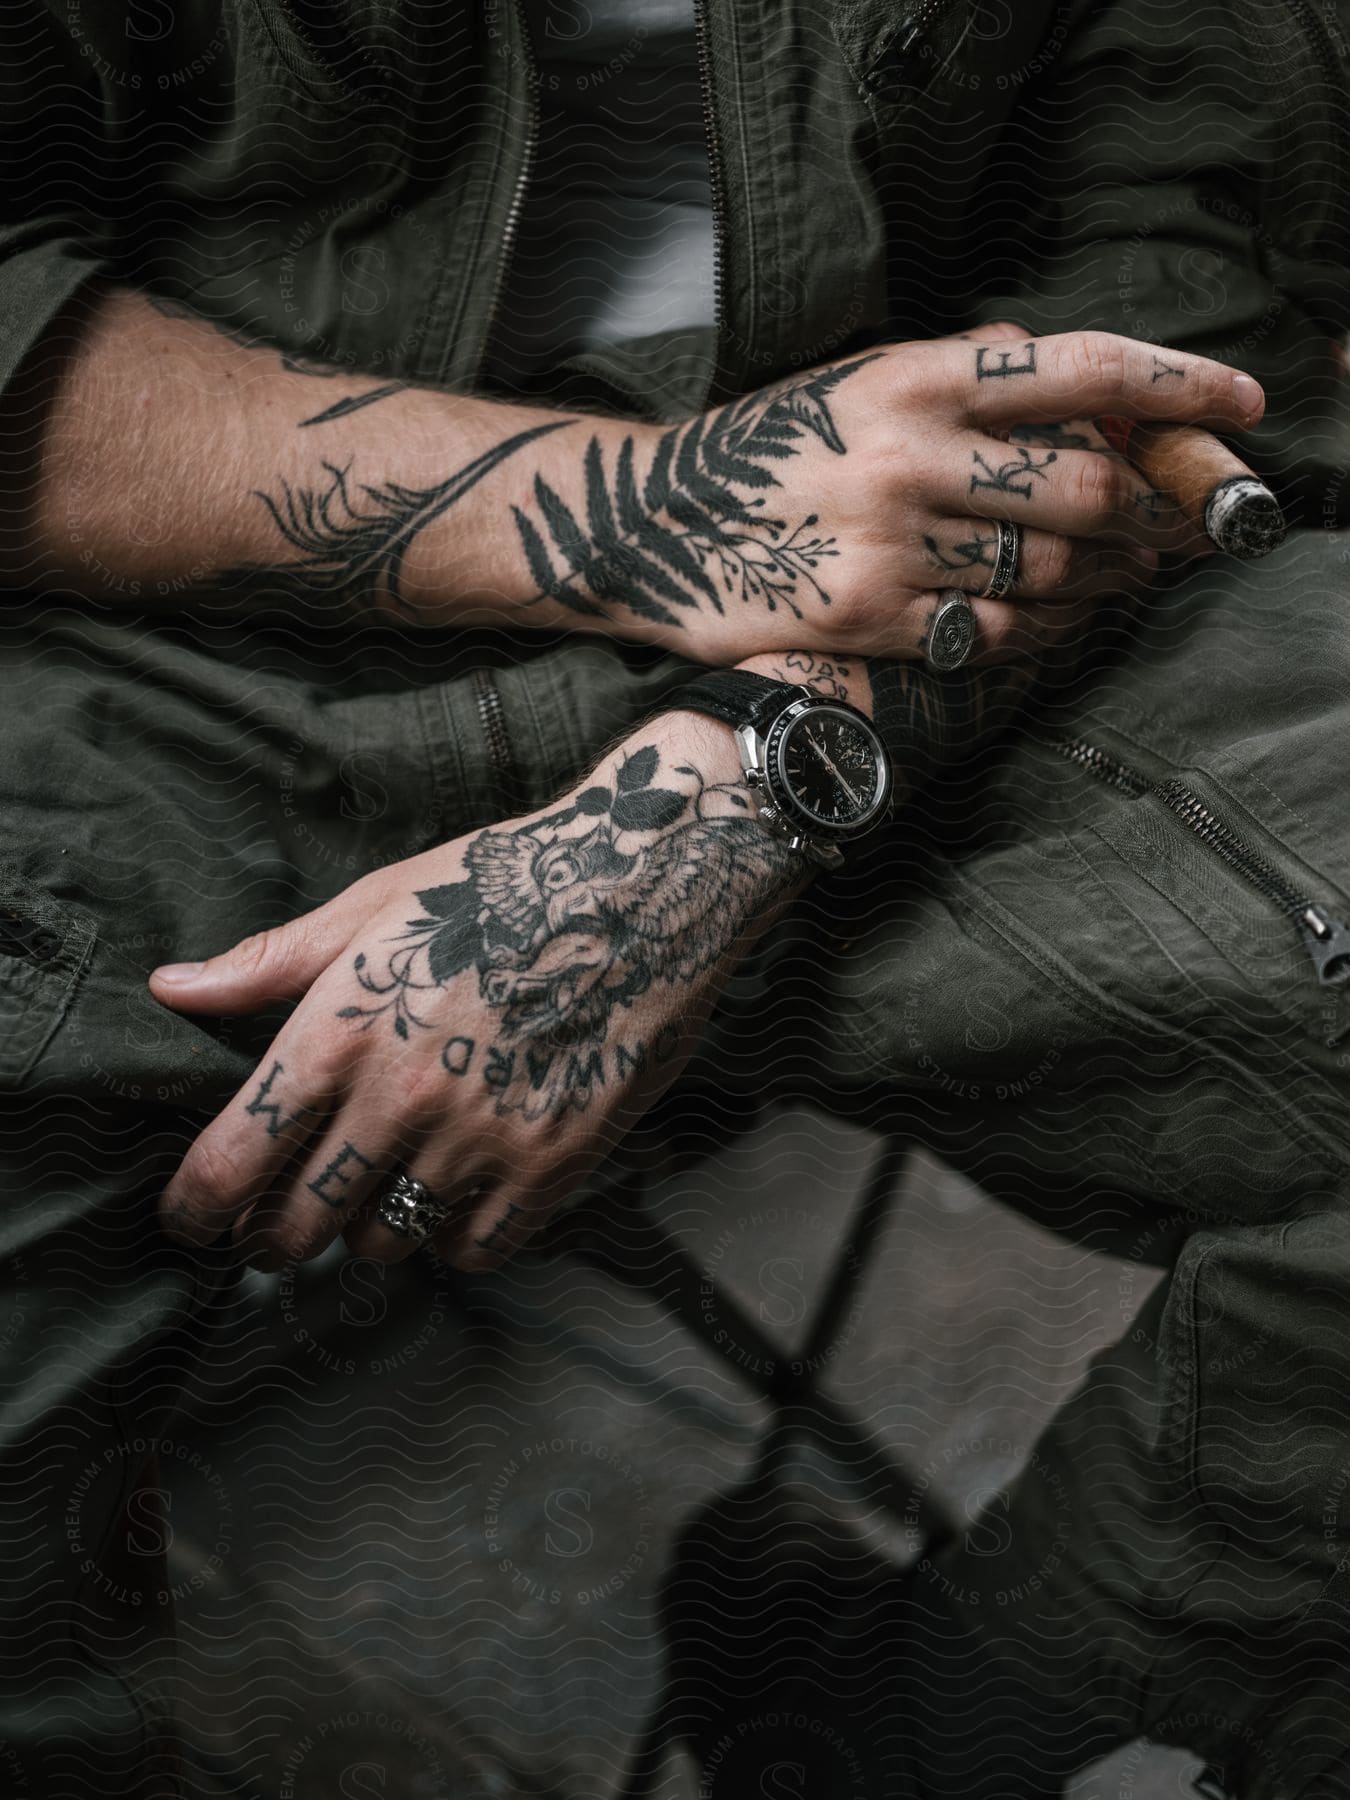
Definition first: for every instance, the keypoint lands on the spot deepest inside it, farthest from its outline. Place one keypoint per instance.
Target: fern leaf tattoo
(700, 532)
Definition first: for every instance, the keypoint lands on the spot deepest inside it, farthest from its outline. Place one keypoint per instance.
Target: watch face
(831, 767)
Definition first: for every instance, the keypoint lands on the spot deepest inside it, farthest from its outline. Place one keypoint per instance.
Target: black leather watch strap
(734, 696)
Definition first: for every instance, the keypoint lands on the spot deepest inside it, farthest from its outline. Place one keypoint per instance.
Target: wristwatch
(818, 766)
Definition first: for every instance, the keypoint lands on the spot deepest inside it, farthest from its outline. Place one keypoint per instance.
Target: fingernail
(175, 972)
(1247, 393)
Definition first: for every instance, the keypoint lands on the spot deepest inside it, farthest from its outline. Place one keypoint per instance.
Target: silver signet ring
(952, 635)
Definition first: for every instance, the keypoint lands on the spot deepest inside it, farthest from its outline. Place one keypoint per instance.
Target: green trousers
(1074, 973)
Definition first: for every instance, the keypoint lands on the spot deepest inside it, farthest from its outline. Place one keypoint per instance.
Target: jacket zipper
(715, 187)
(1326, 53)
(1325, 937)
(512, 225)
(1212, 1782)
(488, 699)
(1308, 14)
(928, 13)
(902, 50)
(323, 57)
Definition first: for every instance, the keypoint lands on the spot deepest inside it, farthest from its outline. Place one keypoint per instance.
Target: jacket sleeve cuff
(42, 267)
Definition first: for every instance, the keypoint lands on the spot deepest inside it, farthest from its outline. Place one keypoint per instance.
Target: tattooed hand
(820, 515)
(489, 1016)
(825, 512)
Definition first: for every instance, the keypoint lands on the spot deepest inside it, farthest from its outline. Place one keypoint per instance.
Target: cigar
(1212, 489)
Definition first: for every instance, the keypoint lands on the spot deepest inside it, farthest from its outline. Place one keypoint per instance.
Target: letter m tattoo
(987, 370)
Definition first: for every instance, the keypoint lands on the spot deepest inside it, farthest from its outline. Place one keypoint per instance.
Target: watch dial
(830, 766)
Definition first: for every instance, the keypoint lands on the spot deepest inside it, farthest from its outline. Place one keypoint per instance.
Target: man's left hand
(487, 1017)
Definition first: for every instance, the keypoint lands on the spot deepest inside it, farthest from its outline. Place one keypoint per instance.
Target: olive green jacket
(341, 177)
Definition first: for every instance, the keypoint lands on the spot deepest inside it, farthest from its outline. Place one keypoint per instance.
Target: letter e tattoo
(985, 370)
(347, 1154)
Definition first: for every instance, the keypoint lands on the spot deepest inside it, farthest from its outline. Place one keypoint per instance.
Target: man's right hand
(829, 511)
(824, 513)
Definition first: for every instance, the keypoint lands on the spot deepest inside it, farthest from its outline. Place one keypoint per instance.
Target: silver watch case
(762, 759)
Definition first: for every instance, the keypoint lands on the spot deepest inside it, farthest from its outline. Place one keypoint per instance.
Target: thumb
(280, 964)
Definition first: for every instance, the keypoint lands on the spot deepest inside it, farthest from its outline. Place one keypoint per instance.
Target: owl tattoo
(568, 920)
(574, 930)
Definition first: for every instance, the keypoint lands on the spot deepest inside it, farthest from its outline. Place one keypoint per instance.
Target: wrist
(560, 535)
(813, 763)
(696, 740)
(832, 677)
(681, 774)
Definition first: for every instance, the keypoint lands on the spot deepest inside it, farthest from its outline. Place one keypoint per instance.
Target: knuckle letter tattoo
(335, 1172)
(1014, 476)
(997, 365)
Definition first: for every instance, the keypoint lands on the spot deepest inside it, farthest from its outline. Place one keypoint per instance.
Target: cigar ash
(1244, 518)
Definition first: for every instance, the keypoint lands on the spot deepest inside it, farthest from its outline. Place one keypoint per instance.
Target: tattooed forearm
(645, 526)
(567, 920)
(1013, 477)
(354, 543)
(992, 364)
(342, 409)
(697, 531)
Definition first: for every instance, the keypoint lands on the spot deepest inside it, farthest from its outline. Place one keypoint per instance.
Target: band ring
(952, 636)
(1006, 562)
(410, 1210)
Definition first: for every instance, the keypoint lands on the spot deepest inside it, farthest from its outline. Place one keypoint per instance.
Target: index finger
(1080, 374)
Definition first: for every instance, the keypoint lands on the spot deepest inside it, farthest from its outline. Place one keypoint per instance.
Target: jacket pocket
(43, 952)
(327, 51)
(308, 235)
(1253, 1356)
(315, 111)
(1197, 1070)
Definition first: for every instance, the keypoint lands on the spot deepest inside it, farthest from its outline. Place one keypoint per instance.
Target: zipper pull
(900, 64)
(1327, 941)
